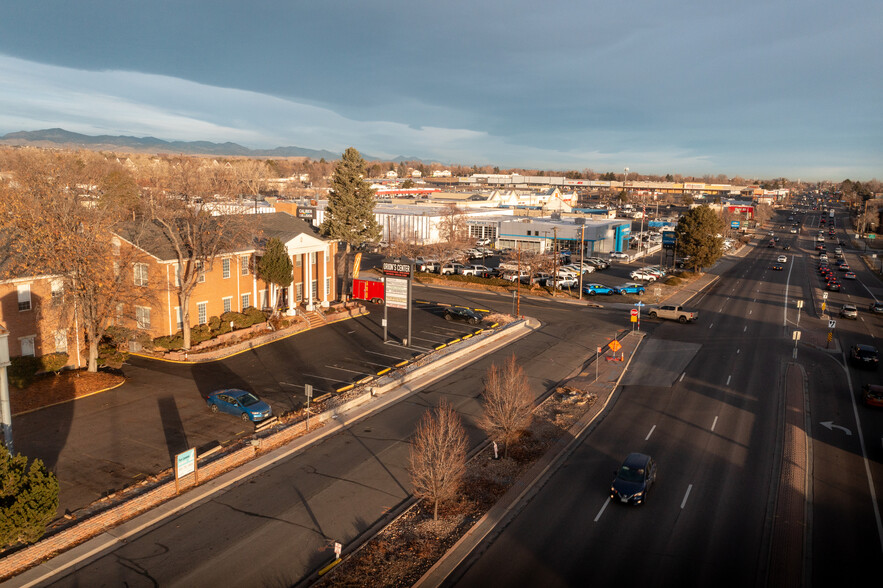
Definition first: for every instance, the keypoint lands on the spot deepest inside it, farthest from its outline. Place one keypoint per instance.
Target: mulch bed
(61, 387)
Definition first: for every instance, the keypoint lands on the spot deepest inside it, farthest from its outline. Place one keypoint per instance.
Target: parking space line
(383, 354)
(334, 367)
(324, 378)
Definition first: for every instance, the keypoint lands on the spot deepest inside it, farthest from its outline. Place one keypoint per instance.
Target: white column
(292, 292)
(308, 261)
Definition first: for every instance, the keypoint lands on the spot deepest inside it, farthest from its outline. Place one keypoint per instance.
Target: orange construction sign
(615, 346)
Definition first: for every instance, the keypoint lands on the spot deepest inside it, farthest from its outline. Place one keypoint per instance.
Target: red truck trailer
(368, 289)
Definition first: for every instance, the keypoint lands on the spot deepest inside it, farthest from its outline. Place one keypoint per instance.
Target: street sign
(824, 295)
(308, 390)
(832, 323)
(634, 312)
(615, 346)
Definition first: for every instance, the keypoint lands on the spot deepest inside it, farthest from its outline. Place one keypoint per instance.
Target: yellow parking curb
(345, 388)
(327, 568)
(384, 371)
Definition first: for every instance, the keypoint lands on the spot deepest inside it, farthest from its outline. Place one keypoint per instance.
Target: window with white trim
(202, 312)
(27, 346)
(61, 341)
(225, 267)
(327, 255)
(298, 260)
(115, 246)
(140, 271)
(24, 297)
(200, 267)
(246, 301)
(328, 287)
(228, 303)
(262, 299)
(298, 292)
(314, 288)
(313, 258)
(243, 264)
(142, 317)
(179, 318)
(57, 287)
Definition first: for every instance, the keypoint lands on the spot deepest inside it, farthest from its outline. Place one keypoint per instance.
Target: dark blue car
(631, 289)
(241, 403)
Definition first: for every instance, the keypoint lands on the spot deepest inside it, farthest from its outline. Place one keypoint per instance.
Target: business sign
(396, 292)
(185, 463)
(399, 268)
(306, 213)
(669, 239)
(357, 265)
(734, 224)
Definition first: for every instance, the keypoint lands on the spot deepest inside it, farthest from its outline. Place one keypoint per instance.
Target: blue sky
(756, 88)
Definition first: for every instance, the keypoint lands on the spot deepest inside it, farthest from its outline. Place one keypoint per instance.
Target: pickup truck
(674, 313)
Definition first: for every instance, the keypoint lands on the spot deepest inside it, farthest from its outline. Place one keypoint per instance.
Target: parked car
(634, 478)
(592, 289)
(631, 289)
(864, 356)
(619, 255)
(463, 314)
(597, 263)
(563, 283)
(643, 275)
(849, 311)
(449, 269)
(476, 270)
(241, 403)
(537, 278)
(872, 394)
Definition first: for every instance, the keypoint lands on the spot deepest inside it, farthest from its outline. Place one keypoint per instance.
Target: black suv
(864, 356)
(633, 479)
(463, 314)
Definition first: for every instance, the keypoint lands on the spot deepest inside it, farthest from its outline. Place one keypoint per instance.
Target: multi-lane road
(713, 419)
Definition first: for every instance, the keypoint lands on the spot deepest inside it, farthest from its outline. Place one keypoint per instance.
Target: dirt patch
(56, 388)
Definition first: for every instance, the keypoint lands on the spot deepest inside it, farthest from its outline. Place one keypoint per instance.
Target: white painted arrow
(830, 425)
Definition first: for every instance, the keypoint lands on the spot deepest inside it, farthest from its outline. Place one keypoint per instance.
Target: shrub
(28, 499)
(239, 320)
(53, 362)
(254, 315)
(214, 323)
(22, 370)
(200, 333)
(117, 336)
(170, 342)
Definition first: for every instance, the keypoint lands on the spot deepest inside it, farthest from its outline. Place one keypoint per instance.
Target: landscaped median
(129, 503)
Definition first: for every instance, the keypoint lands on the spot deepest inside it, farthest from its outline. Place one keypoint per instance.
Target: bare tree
(508, 403)
(438, 456)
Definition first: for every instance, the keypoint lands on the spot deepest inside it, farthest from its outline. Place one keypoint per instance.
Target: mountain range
(70, 140)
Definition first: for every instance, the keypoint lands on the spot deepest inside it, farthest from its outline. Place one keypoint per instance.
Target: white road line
(738, 351)
(323, 378)
(681, 379)
(653, 428)
(600, 512)
(398, 357)
(714, 424)
(711, 325)
(745, 328)
(687, 495)
(728, 379)
(334, 367)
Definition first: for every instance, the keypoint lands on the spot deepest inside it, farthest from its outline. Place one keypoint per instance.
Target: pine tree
(349, 216)
(275, 266)
(698, 237)
(28, 499)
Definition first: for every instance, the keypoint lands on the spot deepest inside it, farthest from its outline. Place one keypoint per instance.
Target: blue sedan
(631, 289)
(243, 404)
(592, 289)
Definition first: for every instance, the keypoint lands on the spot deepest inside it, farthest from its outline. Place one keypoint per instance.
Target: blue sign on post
(669, 238)
(734, 224)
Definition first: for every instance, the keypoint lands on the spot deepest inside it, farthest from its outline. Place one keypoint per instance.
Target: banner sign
(396, 292)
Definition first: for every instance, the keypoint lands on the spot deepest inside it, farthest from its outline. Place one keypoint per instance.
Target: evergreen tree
(699, 237)
(349, 216)
(28, 499)
(275, 267)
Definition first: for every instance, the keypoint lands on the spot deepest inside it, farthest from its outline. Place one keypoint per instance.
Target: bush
(22, 370)
(239, 320)
(214, 323)
(53, 362)
(170, 342)
(28, 499)
(254, 316)
(117, 336)
(200, 333)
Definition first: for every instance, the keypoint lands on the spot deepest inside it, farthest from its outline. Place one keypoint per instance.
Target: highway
(706, 401)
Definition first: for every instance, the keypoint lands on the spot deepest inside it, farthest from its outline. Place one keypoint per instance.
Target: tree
(438, 456)
(275, 268)
(508, 403)
(349, 216)
(699, 236)
(452, 231)
(28, 498)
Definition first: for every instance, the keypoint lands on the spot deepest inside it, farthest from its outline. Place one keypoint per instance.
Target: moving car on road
(872, 394)
(633, 479)
(782, 259)
(241, 403)
(876, 307)
(849, 311)
(864, 356)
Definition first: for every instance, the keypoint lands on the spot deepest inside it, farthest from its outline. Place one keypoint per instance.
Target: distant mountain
(63, 138)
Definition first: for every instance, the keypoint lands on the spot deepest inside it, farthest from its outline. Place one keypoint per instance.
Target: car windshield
(628, 474)
(248, 399)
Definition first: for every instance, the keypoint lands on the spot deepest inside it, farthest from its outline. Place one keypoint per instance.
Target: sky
(755, 88)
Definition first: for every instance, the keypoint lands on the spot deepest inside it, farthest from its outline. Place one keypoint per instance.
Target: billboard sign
(396, 292)
(669, 239)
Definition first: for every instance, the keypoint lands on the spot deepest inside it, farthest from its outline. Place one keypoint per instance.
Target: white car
(619, 255)
(643, 275)
(562, 283)
(449, 269)
(475, 270)
(782, 259)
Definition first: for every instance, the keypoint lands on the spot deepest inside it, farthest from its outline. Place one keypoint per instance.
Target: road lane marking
(681, 379)
(714, 424)
(653, 428)
(728, 379)
(711, 325)
(687, 495)
(600, 512)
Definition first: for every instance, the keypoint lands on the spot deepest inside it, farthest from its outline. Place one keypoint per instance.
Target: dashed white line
(687, 495)
(653, 428)
(681, 379)
(600, 512)
(728, 379)
(714, 424)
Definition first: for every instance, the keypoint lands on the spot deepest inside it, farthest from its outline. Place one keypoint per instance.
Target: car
(476, 270)
(643, 275)
(598, 263)
(777, 267)
(462, 313)
(592, 289)
(786, 247)
(823, 257)
(843, 267)
(241, 403)
(872, 394)
(771, 244)
(838, 250)
(450, 269)
(563, 283)
(876, 307)
(619, 255)
(832, 286)
(849, 276)
(849, 311)
(793, 231)
(782, 259)
(634, 479)
(630, 289)
(864, 356)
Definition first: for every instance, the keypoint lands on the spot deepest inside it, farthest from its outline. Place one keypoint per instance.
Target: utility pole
(518, 284)
(582, 256)
(554, 260)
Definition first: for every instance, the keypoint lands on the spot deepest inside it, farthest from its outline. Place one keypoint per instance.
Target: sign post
(185, 464)
(308, 390)
(397, 275)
